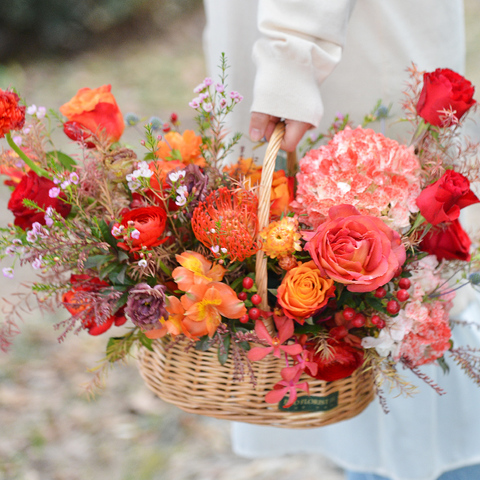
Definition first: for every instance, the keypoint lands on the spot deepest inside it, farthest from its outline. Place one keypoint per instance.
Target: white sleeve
(301, 44)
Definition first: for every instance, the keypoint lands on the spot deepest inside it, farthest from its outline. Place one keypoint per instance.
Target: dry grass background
(48, 429)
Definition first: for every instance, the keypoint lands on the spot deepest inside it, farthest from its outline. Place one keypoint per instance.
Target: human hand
(262, 125)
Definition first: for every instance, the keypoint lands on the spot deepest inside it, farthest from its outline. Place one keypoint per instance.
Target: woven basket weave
(196, 382)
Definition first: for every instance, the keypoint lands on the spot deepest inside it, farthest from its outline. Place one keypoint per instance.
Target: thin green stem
(38, 170)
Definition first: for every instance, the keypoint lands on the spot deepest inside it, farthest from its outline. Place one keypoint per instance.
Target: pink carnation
(362, 168)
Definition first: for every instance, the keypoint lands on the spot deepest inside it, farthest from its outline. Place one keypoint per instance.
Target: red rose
(451, 243)
(443, 90)
(357, 250)
(35, 188)
(148, 224)
(75, 305)
(12, 116)
(441, 201)
(96, 110)
(339, 362)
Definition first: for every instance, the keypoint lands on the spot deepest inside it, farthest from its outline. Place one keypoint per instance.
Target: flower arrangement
(360, 250)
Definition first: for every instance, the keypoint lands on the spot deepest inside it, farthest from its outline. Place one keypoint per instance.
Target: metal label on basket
(311, 403)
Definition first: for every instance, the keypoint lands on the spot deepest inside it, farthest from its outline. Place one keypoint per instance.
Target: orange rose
(97, 111)
(304, 291)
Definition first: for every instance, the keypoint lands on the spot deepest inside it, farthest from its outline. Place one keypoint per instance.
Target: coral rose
(451, 243)
(444, 90)
(441, 201)
(35, 188)
(12, 115)
(357, 250)
(304, 291)
(148, 224)
(97, 111)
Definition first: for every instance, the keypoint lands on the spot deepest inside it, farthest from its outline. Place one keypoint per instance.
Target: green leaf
(116, 348)
(61, 158)
(105, 272)
(375, 303)
(106, 232)
(96, 261)
(118, 276)
(443, 365)
(145, 341)
(223, 356)
(204, 344)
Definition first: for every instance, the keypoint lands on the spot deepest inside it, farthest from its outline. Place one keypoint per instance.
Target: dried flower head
(146, 306)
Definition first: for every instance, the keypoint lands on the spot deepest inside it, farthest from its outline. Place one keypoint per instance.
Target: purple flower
(146, 306)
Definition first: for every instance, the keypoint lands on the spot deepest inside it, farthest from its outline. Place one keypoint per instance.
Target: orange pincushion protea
(226, 222)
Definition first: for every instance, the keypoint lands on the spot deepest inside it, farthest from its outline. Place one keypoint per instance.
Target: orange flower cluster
(282, 186)
(226, 222)
(199, 312)
(186, 148)
(12, 115)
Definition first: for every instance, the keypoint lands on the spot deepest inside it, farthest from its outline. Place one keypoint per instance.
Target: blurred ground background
(150, 51)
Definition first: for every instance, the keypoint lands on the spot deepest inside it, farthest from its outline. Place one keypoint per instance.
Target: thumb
(261, 125)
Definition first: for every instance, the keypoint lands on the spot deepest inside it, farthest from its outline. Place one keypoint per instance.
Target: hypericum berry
(381, 324)
(254, 313)
(349, 313)
(393, 307)
(375, 319)
(404, 283)
(403, 295)
(256, 299)
(166, 127)
(242, 296)
(358, 320)
(380, 292)
(173, 117)
(247, 283)
(244, 318)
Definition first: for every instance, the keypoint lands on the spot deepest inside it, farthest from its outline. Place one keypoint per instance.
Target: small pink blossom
(54, 192)
(37, 263)
(290, 384)
(276, 344)
(220, 88)
(208, 107)
(74, 178)
(223, 103)
(208, 81)
(135, 234)
(8, 272)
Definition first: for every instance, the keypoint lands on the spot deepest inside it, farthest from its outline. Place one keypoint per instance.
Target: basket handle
(261, 276)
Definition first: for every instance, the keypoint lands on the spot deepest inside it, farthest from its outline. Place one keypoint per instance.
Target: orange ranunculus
(304, 291)
(97, 111)
(185, 148)
(205, 304)
(149, 225)
(282, 193)
(196, 269)
(173, 325)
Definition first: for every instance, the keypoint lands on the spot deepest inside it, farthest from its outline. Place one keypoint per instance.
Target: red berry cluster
(254, 312)
(393, 305)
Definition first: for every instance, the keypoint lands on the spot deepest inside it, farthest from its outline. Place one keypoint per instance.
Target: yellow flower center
(205, 307)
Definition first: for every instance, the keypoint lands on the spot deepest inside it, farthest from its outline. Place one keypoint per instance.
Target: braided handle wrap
(261, 277)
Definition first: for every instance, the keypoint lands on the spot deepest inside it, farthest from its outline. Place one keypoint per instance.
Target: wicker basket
(196, 382)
